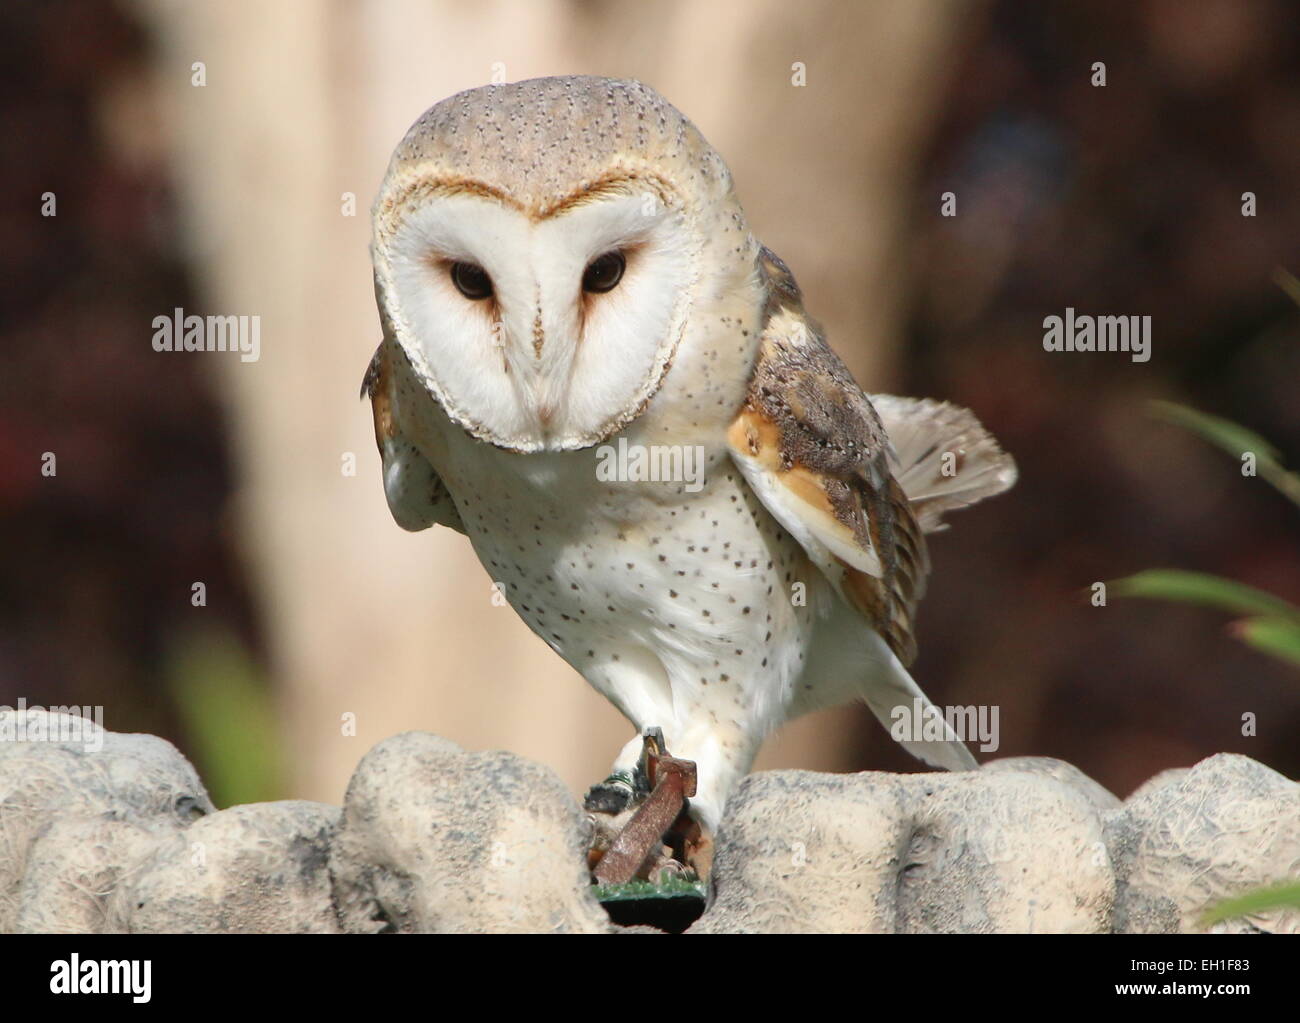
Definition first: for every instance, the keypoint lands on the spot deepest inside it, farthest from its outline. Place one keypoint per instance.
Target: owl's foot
(651, 835)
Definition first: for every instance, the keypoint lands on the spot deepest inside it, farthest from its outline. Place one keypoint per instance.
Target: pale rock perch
(536, 308)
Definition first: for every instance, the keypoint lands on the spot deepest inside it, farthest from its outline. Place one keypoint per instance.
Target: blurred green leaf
(1276, 636)
(1204, 589)
(1272, 625)
(1234, 439)
(1288, 283)
(1224, 433)
(229, 717)
(1283, 896)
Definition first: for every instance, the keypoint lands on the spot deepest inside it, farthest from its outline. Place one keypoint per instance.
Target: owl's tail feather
(914, 722)
(946, 459)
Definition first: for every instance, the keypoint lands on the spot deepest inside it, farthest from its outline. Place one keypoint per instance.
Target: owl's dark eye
(471, 280)
(603, 273)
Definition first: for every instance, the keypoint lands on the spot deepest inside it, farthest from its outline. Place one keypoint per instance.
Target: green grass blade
(1287, 282)
(1283, 896)
(1234, 439)
(1278, 637)
(1223, 433)
(1203, 589)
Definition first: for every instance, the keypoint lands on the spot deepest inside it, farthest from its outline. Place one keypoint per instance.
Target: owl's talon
(655, 837)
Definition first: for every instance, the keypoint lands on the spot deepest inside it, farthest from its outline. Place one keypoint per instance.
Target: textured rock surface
(975, 852)
(74, 866)
(53, 794)
(435, 839)
(432, 838)
(255, 869)
(1188, 839)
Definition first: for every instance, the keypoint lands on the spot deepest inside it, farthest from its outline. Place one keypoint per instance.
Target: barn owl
(568, 289)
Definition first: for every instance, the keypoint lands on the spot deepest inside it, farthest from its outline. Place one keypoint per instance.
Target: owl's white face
(541, 333)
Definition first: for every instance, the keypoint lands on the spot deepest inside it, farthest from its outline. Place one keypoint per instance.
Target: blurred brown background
(230, 198)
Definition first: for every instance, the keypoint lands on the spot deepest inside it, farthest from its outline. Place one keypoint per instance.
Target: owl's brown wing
(813, 449)
(416, 494)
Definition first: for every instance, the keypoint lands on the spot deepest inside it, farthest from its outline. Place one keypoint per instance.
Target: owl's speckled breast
(653, 590)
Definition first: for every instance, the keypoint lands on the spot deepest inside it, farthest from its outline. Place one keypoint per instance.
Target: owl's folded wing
(811, 446)
(416, 495)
